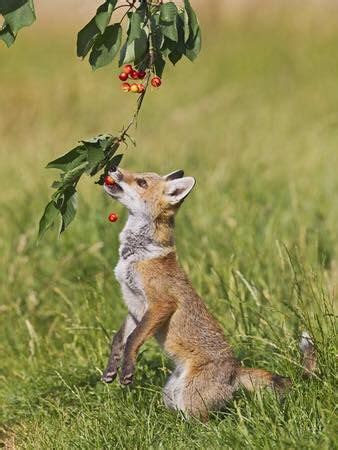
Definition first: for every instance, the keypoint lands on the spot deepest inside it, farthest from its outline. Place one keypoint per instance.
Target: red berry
(156, 82)
(113, 217)
(134, 87)
(125, 87)
(109, 181)
(127, 69)
(141, 74)
(141, 88)
(123, 76)
(134, 74)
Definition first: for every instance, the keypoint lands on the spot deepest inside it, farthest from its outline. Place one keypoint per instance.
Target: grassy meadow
(255, 120)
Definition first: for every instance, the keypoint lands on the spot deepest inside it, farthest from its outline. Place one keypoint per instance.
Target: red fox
(162, 302)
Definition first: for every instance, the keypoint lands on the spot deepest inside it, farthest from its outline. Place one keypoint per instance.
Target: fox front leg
(117, 348)
(148, 326)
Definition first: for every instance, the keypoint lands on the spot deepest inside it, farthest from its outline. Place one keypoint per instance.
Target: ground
(255, 121)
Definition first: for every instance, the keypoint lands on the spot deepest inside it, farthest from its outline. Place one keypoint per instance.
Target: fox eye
(142, 183)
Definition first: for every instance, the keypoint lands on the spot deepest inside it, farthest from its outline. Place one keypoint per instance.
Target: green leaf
(100, 149)
(68, 207)
(21, 17)
(51, 213)
(135, 51)
(168, 12)
(96, 27)
(193, 46)
(170, 31)
(57, 184)
(136, 20)
(103, 14)
(73, 175)
(115, 161)
(174, 57)
(86, 38)
(186, 25)
(69, 160)
(191, 19)
(7, 6)
(167, 21)
(177, 49)
(95, 157)
(157, 35)
(106, 46)
(6, 35)
(102, 140)
(159, 64)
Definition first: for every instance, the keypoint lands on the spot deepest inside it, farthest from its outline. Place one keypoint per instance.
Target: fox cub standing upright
(162, 303)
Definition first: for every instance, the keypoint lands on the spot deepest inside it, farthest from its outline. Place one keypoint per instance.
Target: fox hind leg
(196, 393)
(172, 392)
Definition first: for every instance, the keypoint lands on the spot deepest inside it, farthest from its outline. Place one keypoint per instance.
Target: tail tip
(306, 342)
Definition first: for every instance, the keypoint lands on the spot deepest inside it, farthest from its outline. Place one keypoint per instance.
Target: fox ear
(177, 190)
(174, 175)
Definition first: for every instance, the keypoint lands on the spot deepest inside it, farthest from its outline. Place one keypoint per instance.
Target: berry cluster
(129, 72)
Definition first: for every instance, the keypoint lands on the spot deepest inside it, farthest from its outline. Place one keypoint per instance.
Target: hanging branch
(155, 32)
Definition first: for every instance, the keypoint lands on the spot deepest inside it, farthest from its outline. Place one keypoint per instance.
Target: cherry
(141, 88)
(127, 69)
(123, 76)
(134, 74)
(113, 217)
(125, 87)
(156, 82)
(134, 87)
(109, 181)
(141, 74)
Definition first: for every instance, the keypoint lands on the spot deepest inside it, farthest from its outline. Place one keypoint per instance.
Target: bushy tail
(253, 379)
(309, 360)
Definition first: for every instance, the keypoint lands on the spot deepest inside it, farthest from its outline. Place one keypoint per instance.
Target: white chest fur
(131, 287)
(136, 244)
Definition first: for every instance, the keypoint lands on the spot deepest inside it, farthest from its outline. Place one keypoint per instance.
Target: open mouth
(113, 189)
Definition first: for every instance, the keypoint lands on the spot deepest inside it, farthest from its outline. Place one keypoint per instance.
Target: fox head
(149, 194)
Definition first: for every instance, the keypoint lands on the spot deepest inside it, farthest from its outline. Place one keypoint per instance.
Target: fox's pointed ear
(174, 175)
(177, 190)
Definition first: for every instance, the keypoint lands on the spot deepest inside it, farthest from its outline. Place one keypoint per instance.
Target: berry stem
(151, 55)
(129, 9)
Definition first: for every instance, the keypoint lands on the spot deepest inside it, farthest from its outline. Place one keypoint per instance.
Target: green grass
(255, 121)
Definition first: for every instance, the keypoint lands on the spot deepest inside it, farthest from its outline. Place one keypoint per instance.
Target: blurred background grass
(255, 121)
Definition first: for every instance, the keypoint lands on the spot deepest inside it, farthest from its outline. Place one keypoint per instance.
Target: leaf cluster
(89, 157)
(17, 14)
(155, 32)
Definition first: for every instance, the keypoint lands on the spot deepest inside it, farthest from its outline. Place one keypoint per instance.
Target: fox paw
(109, 375)
(127, 375)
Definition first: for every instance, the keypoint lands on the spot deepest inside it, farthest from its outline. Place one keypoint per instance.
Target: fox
(162, 303)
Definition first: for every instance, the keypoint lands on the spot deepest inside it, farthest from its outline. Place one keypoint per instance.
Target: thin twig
(124, 15)
(141, 97)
